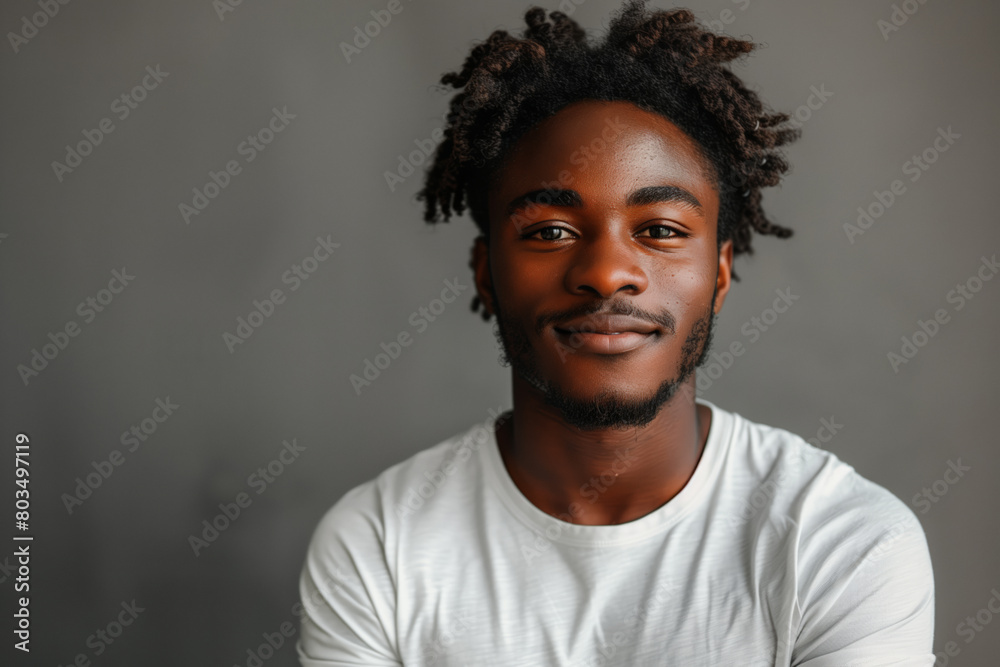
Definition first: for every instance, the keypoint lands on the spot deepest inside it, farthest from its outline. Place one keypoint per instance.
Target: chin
(602, 386)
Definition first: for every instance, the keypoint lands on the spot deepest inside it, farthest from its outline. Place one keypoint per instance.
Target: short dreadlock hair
(663, 62)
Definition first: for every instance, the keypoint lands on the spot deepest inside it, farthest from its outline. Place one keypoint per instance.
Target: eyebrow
(651, 194)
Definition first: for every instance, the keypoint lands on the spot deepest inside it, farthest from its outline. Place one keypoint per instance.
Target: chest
(533, 600)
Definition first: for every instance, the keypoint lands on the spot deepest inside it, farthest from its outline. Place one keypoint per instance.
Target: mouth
(602, 342)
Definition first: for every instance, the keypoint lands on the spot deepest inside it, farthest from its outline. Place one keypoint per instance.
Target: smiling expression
(603, 266)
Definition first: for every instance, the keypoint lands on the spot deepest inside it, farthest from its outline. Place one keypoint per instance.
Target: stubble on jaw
(608, 409)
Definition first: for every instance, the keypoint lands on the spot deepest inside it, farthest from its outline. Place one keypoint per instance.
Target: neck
(607, 476)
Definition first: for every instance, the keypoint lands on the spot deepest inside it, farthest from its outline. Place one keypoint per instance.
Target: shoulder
(859, 565)
(369, 513)
(811, 485)
(350, 576)
(827, 507)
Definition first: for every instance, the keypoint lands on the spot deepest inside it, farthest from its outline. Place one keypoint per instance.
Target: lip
(603, 343)
(607, 324)
(605, 334)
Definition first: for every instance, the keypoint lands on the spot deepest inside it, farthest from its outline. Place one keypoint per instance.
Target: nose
(605, 265)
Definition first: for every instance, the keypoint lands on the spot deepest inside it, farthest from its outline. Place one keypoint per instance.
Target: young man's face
(605, 290)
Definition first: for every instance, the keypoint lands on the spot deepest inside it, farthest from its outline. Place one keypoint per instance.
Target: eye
(661, 232)
(548, 234)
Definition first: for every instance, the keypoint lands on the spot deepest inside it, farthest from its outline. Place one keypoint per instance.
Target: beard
(608, 409)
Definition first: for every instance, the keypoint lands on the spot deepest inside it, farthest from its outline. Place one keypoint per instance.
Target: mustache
(664, 320)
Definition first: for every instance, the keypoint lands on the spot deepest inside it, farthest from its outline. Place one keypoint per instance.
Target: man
(612, 518)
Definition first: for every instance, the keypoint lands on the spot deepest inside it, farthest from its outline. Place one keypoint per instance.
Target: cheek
(525, 285)
(684, 288)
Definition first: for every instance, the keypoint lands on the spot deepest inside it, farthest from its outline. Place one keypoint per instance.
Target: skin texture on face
(607, 408)
(603, 209)
(551, 264)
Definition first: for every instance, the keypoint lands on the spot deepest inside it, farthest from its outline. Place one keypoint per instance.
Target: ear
(481, 271)
(724, 279)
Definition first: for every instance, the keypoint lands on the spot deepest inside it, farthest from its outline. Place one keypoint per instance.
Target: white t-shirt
(774, 553)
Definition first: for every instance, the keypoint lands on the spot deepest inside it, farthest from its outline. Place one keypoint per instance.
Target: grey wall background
(324, 176)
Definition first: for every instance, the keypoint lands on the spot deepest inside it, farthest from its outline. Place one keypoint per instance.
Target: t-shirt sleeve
(346, 590)
(867, 592)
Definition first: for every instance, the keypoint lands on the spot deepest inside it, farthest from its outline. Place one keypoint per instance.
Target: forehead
(604, 150)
